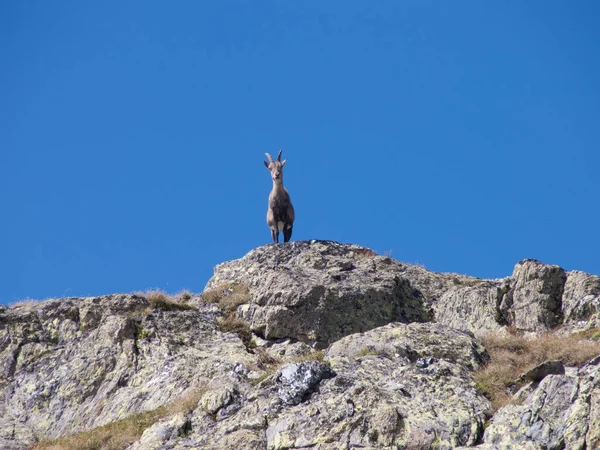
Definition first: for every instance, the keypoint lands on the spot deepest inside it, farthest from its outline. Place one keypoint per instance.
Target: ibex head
(275, 167)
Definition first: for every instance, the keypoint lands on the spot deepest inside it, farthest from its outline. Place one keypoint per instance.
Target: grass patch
(185, 295)
(592, 333)
(229, 296)
(265, 361)
(364, 253)
(511, 355)
(267, 364)
(315, 355)
(160, 300)
(121, 434)
(233, 324)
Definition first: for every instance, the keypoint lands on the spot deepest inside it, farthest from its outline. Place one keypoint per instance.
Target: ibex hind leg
(275, 236)
(287, 234)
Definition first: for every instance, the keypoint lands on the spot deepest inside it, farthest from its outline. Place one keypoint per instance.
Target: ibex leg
(287, 234)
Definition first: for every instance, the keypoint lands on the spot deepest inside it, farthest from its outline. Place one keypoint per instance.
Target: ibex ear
(266, 164)
(283, 162)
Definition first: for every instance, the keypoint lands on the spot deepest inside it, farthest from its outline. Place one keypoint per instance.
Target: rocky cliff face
(302, 345)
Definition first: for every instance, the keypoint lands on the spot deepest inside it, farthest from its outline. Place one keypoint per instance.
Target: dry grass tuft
(270, 363)
(592, 333)
(121, 434)
(265, 361)
(511, 355)
(184, 296)
(156, 296)
(25, 303)
(232, 324)
(161, 300)
(314, 355)
(228, 296)
(364, 253)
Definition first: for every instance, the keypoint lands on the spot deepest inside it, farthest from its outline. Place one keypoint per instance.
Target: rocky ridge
(354, 350)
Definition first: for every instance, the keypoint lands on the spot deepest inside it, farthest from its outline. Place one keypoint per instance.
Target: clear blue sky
(460, 135)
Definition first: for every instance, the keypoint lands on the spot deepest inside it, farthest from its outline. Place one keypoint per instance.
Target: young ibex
(280, 215)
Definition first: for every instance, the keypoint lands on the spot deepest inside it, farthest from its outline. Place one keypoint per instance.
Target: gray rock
(221, 401)
(542, 370)
(560, 413)
(581, 298)
(378, 399)
(537, 295)
(78, 363)
(475, 307)
(317, 292)
(395, 369)
(288, 349)
(155, 437)
(521, 446)
(297, 380)
(420, 344)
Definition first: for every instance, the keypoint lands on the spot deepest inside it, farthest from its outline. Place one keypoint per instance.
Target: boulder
(298, 380)
(539, 372)
(316, 292)
(537, 295)
(155, 436)
(581, 298)
(474, 306)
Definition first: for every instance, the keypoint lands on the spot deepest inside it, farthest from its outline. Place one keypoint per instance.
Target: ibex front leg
(287, 234)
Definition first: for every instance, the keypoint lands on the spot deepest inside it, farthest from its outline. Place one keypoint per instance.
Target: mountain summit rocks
(354, 350)
(319, 291)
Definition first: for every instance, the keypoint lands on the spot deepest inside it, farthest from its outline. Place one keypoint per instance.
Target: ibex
(280, 215)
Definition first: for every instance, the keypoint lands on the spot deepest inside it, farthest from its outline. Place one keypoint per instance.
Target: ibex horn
(279, 155)
(270, 157)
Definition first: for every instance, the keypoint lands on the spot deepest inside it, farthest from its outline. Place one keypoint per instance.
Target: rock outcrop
(317, 292)
(581, 298)
(75, 364)
(560, 412)
(374, 392)
(355, 350)
(536, 295)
